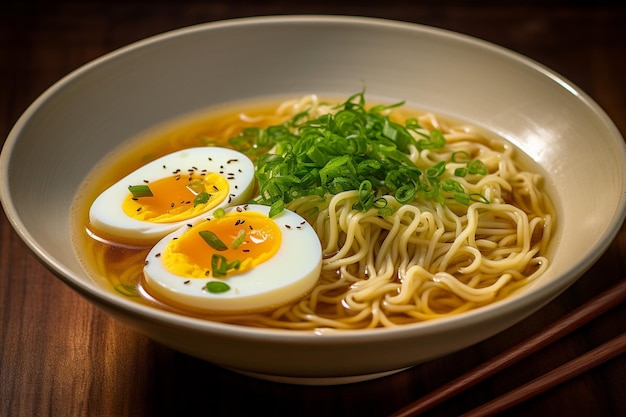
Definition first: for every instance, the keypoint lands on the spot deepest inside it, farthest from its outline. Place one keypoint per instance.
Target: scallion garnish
(460, 172)
(436, 170)
(477, 167)
(217, 287)
(221, 266)
(276, 208)
(220, 212)
(212, 240)
(139, 191)
(473, 167)
(238, 241)
(460, 157)
(201, 198)
(351, 148)
(450, 185)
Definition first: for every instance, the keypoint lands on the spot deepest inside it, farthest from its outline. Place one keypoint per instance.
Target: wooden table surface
(62, 357)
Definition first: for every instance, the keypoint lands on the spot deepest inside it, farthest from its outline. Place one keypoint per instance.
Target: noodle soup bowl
(97, 108)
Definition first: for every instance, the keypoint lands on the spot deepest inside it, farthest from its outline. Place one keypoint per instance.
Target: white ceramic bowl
(97, 107)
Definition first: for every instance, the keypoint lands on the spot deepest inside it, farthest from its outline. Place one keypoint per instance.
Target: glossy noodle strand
(424, 261)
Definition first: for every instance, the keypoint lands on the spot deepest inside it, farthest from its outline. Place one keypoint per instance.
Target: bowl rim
(112, 301)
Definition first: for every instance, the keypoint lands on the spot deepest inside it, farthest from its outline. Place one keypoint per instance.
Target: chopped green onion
(405, 193)
(351, 148)
(276, 208)
(238, 241)
(389, 131)
(478, 198)
(217, 287)
(201, 198)
(366, 195)
(477, 167)
(450, 185)
(466, 199)
(435, 140)
(221, 266)
(460, 157)
(139, 191)
(462, 198)
(436, 170)
(220, 212)
(212, 240)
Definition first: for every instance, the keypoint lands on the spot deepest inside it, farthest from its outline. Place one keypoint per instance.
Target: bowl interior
(66, 132)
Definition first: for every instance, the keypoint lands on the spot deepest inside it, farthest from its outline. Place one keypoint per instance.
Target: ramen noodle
(411, 228)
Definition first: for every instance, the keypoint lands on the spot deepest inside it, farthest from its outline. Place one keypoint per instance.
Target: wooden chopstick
(583, 314)
(561, 374)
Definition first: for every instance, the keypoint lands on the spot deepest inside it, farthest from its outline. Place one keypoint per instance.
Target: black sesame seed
(157, 255)
(187, 282)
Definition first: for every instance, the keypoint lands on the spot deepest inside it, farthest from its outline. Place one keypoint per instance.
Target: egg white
(106, 213)
(288, 275)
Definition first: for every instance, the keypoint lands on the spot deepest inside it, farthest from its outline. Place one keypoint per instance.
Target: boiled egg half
(238, 260)
(173, 190)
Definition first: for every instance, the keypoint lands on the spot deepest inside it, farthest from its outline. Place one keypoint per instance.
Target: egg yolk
(219, 247)
(177, 197)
